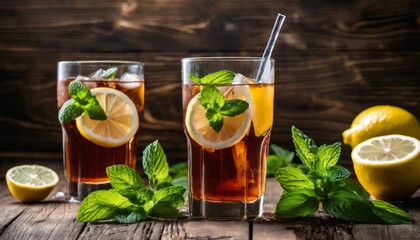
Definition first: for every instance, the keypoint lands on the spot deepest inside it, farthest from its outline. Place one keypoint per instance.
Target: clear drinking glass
(227, 169)
(85, 161)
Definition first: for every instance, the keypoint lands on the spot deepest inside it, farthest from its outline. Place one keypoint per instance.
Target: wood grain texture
(333, 59)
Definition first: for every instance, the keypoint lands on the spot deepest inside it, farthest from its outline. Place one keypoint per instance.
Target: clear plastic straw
(270, 45)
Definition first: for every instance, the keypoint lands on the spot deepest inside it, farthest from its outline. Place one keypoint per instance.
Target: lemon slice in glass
(31, 183)
(234, 128)
(388, 166)
(262, 108)
(122, 119)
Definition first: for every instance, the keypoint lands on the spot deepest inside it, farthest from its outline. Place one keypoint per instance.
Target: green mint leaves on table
(320, 181)
(216, 105)
(129, 200)
(281, 158)
(82, 101)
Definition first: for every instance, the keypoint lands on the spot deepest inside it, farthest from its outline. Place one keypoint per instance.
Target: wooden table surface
(54, 219)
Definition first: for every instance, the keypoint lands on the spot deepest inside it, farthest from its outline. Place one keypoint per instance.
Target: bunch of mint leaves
(320, 181)
(129, 200)
(82, 101)
(216, 105)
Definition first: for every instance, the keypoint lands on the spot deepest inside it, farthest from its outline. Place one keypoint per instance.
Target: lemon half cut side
(234, 128)
(388, 166)
(122, 119)
(31, 183)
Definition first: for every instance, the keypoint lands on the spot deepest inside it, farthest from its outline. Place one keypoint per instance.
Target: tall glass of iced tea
(91, 145)
(228, 117)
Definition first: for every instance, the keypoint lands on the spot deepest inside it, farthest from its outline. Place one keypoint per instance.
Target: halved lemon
(31, 183)
(234, 128)
(388, 167)
(122, 119)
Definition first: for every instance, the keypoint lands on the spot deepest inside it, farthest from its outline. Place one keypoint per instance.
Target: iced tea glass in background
(227, 167)
(89, 146)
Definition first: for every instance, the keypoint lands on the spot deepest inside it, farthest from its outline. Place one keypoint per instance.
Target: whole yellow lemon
(381, 120)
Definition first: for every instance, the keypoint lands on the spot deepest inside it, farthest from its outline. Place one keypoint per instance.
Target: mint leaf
(94, 110)
(155, 164)
(297, 203)
(234, 107)
(124, 216)
(101, 205)
(79, 92)
(178, 170)
(82, 101)
(110, 73)
(211, 98)
(172, 195)
(282, 158)
(69, 111)
(123, 177)
(283, 153)
(165, 211)
(329, 154)
(306, 148)
(215, 78)
(291, 178)
(338, 173)
(194, 78)
(390, 214)
(217, 106)
(348, 206)
(355, 187)
(181, 182)
(215, 119)
(137, 195)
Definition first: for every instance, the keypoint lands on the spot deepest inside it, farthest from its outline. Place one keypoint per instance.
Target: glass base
(78, 191)
(225, 210)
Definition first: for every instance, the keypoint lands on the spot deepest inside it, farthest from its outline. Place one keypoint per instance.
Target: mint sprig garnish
(110, 72)
(216, 105)
(82, 101)
(319, 180)
(130, 200)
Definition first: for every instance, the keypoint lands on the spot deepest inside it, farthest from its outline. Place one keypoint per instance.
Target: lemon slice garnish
(388, 166)
(122, 119)
(234, 128)
(31, 183)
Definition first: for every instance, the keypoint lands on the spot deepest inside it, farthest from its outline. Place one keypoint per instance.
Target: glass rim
(221, 58)
(100, 62)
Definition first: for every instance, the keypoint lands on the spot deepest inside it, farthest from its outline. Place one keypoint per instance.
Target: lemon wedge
(388, 166)
(262, 108)
(122, 119)
(31, 183)
(234, 128)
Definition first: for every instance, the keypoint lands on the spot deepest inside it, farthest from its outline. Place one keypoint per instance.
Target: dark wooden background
(333, 59)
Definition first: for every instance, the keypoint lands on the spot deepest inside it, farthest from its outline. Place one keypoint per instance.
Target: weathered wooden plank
(168, 230)
(45, 221)
(237, 25)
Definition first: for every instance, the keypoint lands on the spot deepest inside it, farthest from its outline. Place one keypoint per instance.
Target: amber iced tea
(228, 140)
(235, 173)
(85, 161)
(95, 158)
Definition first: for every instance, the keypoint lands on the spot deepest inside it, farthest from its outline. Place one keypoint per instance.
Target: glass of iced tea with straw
(99, 104)
(228, 116)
